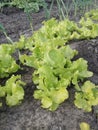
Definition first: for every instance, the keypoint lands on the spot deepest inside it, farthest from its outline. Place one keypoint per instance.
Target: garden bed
(29, 115)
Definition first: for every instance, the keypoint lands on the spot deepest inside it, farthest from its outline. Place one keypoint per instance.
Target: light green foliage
(87, 97)
(24, 43)
(51, 98)
(84, 126)
(79, 71)
(55, 33)
(55, 74)
(64, 31)
(89, 27)
(7, 48)
(92, 14)
(7, 63)
(30, 5)
(13, 91)
(55, 70)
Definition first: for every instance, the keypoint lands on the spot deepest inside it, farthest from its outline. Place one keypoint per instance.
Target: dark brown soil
(16, 22)
(29, 115)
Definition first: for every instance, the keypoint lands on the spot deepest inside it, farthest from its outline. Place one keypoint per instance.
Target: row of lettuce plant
(54, 68)
(12, 91)
(33, 5)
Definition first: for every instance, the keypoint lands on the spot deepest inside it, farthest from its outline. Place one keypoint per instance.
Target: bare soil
(29, 115)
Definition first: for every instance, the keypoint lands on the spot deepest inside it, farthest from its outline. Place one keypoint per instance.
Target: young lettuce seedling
(12, 91)
(84, 126)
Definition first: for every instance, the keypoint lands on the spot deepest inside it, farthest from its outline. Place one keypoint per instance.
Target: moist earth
(29, 115)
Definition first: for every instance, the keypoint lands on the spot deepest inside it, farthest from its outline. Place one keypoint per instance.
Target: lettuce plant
(12, 91)
(55, 69)
(87, 96)
(7, 63)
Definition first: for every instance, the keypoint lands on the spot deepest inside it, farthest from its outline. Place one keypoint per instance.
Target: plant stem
(75, 5)
(59, 9)
(66, 9)
(51, 8)
(8, 38)
(28, 14)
